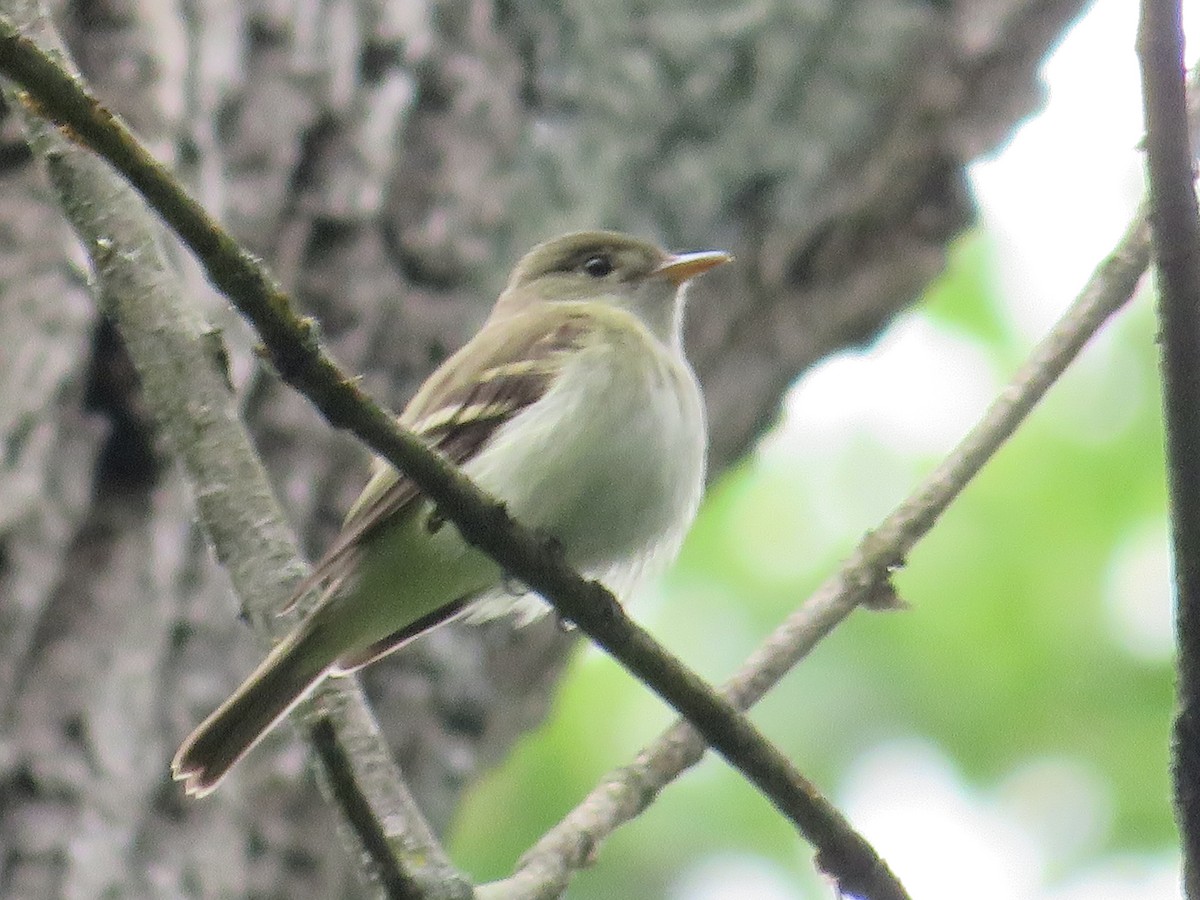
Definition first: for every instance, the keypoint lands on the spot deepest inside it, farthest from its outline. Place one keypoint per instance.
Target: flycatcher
(575, 406)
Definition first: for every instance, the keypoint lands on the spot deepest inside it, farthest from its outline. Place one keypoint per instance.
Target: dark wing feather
(355, 660)
(457, 411)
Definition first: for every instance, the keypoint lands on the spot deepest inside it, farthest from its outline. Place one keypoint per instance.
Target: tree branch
(185, 385)
(1176, 240)
(292, 346)
(545, 869)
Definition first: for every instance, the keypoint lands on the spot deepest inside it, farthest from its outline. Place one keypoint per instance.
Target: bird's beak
(681, 267)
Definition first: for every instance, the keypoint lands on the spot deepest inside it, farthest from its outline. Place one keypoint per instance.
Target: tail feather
(277, 685)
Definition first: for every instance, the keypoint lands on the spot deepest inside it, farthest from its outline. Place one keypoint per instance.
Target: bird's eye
(597, 266)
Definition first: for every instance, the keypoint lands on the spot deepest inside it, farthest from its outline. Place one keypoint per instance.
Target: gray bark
(390, 161)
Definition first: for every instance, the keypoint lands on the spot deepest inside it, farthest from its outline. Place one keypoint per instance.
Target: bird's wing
(457, 411)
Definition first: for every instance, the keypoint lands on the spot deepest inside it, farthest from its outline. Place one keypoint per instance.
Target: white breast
(610, 462)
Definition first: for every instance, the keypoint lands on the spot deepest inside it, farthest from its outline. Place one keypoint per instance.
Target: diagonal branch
(292, 346)
(185, 386)
(1176, 225)
(546, 868)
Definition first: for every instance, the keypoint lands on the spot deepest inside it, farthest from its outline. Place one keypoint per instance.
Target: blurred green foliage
(1019, 645)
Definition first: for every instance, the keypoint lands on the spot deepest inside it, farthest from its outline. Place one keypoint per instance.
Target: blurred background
(1007, 736)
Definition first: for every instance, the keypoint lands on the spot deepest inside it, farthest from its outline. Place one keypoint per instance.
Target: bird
(574, 405)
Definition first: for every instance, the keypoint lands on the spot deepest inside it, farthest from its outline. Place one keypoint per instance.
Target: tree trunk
(390, 161)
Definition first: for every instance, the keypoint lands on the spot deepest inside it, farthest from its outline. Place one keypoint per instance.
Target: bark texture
(390, 161)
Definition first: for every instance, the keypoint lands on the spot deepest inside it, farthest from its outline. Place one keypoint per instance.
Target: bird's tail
(278, 684)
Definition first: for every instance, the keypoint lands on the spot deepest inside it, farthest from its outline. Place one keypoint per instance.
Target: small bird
(575, 405)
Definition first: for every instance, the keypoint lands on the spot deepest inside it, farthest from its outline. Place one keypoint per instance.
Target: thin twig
(1176, 240)
(545, 869)
(291, 344)
(186, 390)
